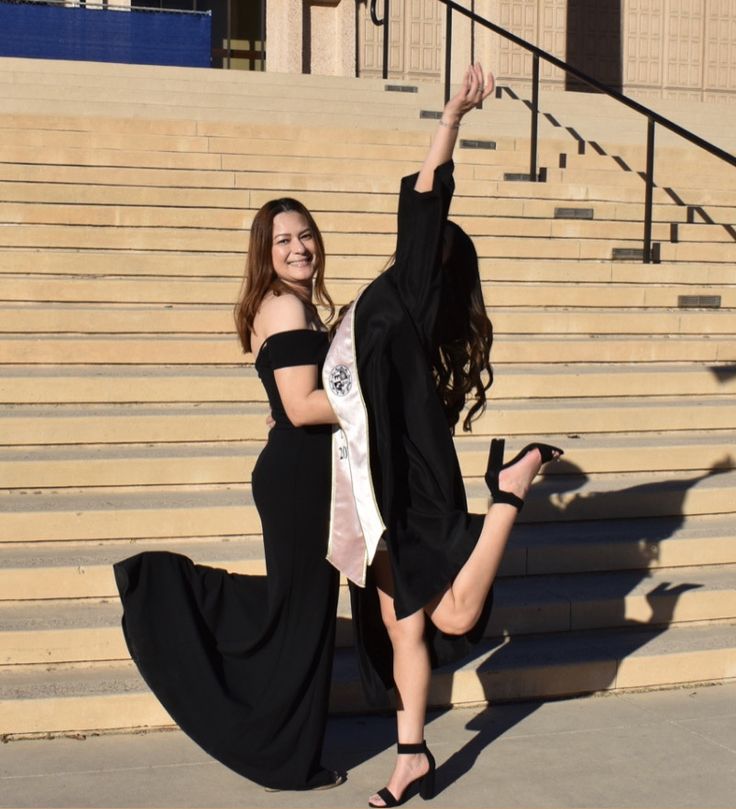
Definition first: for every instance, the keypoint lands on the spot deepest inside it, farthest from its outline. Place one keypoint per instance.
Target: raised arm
(474, 90)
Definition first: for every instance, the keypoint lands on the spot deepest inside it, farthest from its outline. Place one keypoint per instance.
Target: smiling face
(293, 249)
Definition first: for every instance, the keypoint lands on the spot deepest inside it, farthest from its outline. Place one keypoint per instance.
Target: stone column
(330, 28)
(284, 35)
(311, 36)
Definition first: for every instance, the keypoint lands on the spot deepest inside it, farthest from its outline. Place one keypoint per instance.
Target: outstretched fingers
(474, 90)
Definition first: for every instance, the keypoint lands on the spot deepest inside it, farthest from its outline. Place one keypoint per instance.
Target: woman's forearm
(312, 409)
(473, 91)
(303, 400)
(443, 145)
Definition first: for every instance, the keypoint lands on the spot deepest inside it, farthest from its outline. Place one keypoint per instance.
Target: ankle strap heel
(418, 747)
(496, 464)
(425, 783)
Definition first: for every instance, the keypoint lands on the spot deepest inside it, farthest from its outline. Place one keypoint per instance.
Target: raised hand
(474, 89)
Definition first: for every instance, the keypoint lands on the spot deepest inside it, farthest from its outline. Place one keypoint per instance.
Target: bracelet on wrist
(448, 126)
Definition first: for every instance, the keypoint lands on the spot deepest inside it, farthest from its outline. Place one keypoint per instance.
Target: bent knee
(457, 623)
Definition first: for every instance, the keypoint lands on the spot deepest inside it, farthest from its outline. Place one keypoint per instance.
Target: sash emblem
(341, 380)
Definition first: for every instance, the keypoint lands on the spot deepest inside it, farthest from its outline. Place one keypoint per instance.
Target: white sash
(356, 525)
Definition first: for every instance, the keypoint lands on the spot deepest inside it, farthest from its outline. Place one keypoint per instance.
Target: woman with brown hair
(243, 663)
(414, 348)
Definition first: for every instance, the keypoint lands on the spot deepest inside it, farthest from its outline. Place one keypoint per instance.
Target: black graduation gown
(416, 474)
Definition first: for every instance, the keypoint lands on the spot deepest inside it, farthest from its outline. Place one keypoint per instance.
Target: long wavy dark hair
(463, 334)
(260, 278)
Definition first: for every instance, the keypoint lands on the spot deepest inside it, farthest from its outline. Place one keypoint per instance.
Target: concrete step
(265, 185)
(608, 116)
(555, 238)
(113, 697)
(227, 510)
(127, 101)
(331, 207)
(219, 218)
(589, 170)
(499, 117)
(571, 664)
(82, 570)
(472, 164)
(57, 632)
(353, 224)
(503, 111)
(182, 127)
(51, 467)
(133, 264)
(150, 423)
(682, 273)
(224, 291)
(108, 319)
(626, 141)
(495, 121)
(109, 264)
(607, 122)
(594, 118)
(313, 152)
(213, 350)
(121, 383)
(86, 631)
(99, 72)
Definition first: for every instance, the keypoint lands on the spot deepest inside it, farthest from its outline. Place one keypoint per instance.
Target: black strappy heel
(425, 782)
(496, 464)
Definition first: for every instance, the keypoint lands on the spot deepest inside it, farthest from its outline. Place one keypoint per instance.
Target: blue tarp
(105, 35)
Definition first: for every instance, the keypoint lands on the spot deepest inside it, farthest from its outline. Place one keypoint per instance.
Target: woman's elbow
(298, 416)
(296, 419)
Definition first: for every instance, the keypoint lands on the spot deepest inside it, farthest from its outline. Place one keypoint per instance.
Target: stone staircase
(130, 420)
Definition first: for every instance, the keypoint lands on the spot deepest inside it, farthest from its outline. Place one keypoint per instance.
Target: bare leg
(458, 608)
(411, 677)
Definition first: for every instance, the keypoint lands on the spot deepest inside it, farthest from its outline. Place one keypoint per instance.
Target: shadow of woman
(559, 663)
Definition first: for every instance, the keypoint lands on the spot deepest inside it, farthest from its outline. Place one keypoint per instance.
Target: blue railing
(99, 32)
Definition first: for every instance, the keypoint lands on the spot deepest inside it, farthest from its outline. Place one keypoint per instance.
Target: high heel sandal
(425, 782)
(496, 464)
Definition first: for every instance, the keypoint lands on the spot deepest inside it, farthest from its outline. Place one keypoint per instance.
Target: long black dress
(243, 663)
(414, 467)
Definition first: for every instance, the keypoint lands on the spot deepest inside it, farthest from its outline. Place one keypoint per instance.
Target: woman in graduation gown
(243, 663)
(421, 342)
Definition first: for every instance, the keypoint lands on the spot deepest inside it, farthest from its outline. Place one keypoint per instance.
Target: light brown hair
(260, 278)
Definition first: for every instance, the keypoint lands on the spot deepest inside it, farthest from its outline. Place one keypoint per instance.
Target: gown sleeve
(296, 347)
(416, 272)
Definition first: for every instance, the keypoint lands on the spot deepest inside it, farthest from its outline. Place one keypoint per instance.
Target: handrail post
(386, 37)
(649, 192)
(535, 118)
(229, 33)
(448, 51)
(378, 23)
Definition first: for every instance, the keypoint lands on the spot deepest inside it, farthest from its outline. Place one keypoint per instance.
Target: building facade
(645, 48)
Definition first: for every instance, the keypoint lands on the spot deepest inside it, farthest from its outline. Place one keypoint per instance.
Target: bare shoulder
(279, 313)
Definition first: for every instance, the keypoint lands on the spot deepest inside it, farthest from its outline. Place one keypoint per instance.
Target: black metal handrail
(653, 118)
(385, 22)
